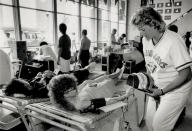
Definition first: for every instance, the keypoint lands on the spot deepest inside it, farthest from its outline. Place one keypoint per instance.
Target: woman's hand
(156, 93)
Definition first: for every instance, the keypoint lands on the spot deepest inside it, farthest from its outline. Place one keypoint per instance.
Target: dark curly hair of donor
(18, 86)
(148, 16)
(59, 86)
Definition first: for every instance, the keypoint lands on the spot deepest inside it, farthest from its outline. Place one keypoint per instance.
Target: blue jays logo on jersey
(153, 61)
(151, 67)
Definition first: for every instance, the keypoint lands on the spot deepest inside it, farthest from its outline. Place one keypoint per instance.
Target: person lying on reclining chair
(92, 93)
(65, 95)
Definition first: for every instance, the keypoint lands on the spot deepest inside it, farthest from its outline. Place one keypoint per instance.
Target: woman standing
(168, 62)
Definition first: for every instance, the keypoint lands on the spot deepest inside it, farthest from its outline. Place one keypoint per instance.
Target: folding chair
(72, 121)
(17, 115)
(11, 119)
(53, 116)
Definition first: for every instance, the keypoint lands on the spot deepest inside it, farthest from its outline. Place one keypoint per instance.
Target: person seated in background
(121, 39)
(113, 39)
(5, 68)
(46, 50)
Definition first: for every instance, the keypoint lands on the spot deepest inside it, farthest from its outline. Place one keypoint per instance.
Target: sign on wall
(177, 10)
(160, 11)
(168, 11)
(168, 4)
(168, 8)
(167, 17)
(160, 5)
(178, 3)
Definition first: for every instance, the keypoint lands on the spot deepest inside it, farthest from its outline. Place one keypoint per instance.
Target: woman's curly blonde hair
(60, 85)
(148, 16)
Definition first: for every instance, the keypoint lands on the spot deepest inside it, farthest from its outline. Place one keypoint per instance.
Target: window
(68, 7)
(114, 15)
(8, 2)
(89, 21)
(122, 16)
(122, 29)
(37, 4)
(36, 26)
(104, 23)
(37, 20)
(114, 11)
(104, 31)
(103, 4)
(88, 11)
(7, 31)
(90, 25)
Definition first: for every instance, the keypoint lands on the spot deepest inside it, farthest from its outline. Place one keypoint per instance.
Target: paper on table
(112, 107)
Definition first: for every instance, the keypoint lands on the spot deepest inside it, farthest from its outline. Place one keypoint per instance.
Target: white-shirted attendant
(168, 62)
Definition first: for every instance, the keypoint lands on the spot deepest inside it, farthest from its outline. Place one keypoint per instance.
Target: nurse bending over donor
(65, 94)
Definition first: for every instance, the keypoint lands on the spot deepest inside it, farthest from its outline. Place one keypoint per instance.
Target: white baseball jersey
(163, 61)
(166, 58)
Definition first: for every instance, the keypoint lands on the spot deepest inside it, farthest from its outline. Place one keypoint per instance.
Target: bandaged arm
(107, 101)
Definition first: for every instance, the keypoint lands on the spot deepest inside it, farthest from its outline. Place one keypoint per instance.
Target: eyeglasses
(141, 28)
(71, 93)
